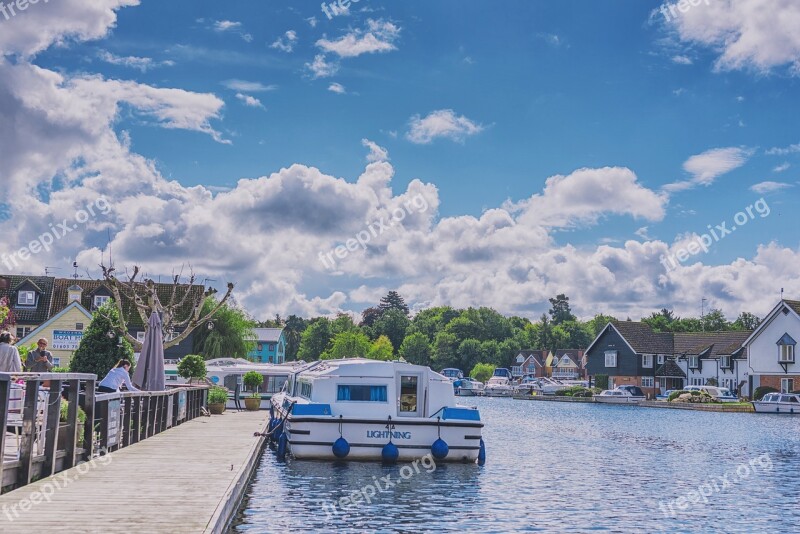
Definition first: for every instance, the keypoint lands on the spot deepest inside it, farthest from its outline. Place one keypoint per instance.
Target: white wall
(762, 353)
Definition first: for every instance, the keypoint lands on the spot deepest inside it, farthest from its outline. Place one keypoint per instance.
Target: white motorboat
(228, 372)
(784, 403)
(468, 387)
(621, 395)
(500, 384)
(362, 409)
(452, 373)
(718, 393)
(529, 385)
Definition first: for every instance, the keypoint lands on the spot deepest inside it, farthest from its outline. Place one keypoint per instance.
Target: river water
(555, 467)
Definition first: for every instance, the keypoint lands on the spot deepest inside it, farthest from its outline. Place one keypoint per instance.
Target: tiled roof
(671, 369)
(25, 315)
(643, 339)
(268, 334)
(537, 355)
(793, 304)
(576, 355)
(717, 343)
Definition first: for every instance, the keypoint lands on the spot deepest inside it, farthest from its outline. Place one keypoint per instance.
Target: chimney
(75, 292)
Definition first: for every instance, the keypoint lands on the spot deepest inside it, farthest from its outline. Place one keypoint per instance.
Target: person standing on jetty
(41, 359)
(10, 361)
(116, 377)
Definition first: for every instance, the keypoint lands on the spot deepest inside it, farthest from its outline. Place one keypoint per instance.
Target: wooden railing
(35, 442)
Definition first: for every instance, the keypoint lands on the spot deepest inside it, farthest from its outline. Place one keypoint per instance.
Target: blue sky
(505, 95)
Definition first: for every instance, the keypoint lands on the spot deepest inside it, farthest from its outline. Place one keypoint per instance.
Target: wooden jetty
(187, 479)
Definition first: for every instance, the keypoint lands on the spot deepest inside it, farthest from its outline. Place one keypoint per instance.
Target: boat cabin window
(408, 394)
(361, 393)
(305, 390)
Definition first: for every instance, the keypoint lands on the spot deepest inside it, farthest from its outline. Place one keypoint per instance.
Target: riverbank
(189, 479)
(722, 407)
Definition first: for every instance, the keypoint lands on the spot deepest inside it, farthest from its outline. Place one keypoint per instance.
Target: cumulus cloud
(223, 26)
(784, 151)
(759, 35)
(321, 67)
(769, 187)
(378, 36)
(442, 123)
(250, 101)
(337, 88)
(376, 153)
(286, 42)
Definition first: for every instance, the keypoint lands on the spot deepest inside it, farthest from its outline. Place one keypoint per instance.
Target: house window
(260, 347)
(787, 353)
(26, 298)
(361, 393)
(694, 362)
(725, 362)
(611, 358)
(787, 385)
(99, 300)
(23, 331)
(647, 361)
(272, 347)
(660, 359)
(647, 381)
(79, 326)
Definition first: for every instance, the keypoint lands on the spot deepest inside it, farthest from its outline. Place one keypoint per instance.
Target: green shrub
(253, 380)
(59, 370)
(81, 419)
(760, 391)
(192, 366)
(217, 395)
(675, 394)
(601, 381)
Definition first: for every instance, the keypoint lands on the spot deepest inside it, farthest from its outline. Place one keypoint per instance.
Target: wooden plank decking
(188, 479)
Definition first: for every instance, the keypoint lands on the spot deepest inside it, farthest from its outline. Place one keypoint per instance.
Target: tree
(192, 366)
(102, 346)
(445, 350)
(353, 344)
(381, 349)
(393, 301)
(469, 352)
(416, 349)
(598, 322)
(7, 318)
(143, 297)
(369, 316)
(482, 372)
(715, 321)
(315, 339)
(392, 324)
(293, 330)
(343, 323)
(560, 310)
(746, 321)
(229, 335)
(578, 335)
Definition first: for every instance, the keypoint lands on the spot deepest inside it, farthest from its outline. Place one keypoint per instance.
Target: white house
(713, 355)
(771, 349)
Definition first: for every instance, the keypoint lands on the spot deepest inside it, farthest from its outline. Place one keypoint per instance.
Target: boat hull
(617, 400)
(492, 392)
(783, 408)
(312, 438)
(461, 392)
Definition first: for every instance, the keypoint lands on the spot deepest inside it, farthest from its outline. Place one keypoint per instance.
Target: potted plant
(62, 427)
(253, 380)
(192, 368)
(217, 397)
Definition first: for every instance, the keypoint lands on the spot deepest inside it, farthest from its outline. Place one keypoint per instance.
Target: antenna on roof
(47, 270)
(781, 293)
(703, 313)
(75, 266)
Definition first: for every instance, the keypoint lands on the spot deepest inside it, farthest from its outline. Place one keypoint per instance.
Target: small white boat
(621, 395)
(452, 373)
(500, 384)
(718, 393)
(784, 403)
(362, 409)
(468, 387)
(529, 385)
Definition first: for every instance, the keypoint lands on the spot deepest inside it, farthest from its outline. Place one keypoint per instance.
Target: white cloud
(337, 88)
(782, 167)
(312, 21)
(141, 63)
(321, 68)
(785, 151)
(442, 123)
(682, 60)
(223, 26)
(758, 35)
(710, 165)
(642, 233)
(286, 42)
(248, 87)
(250, 101)
(769, 187)
(376, 153)
(379, 36)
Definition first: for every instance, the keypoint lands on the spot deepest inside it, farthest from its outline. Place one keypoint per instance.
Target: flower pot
(253, 404)
(217, 409)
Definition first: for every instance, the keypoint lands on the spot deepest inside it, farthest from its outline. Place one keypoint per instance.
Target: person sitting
(10, 361)
(116, 377)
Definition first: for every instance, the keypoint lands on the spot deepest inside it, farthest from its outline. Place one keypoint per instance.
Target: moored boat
(783, 403)
(500, 384)
(468, 387)
(359, 409)
(621, 395)
(718, 393)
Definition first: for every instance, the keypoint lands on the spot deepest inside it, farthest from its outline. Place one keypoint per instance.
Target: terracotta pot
(217, 409)
(252, 404)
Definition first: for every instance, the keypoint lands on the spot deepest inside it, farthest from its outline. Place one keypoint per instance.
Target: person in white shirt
(10, 362)
(116, 377)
